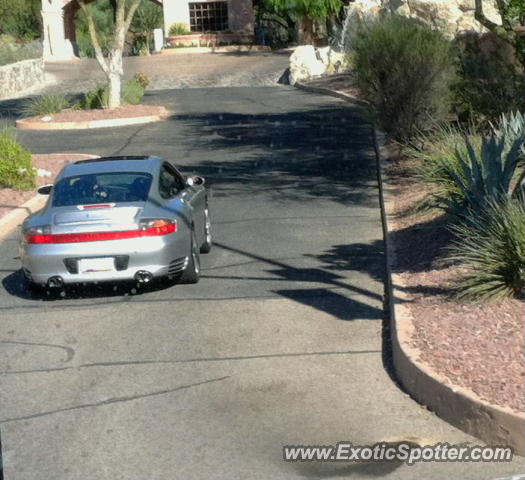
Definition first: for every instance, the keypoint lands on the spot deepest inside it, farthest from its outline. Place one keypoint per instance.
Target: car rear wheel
(206, 246)
(192, 272)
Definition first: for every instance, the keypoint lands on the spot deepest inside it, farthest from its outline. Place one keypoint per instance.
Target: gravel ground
(477, 346)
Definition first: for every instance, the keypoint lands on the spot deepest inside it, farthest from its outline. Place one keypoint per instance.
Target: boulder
(441, 14)
(305, 64)
(451, 17)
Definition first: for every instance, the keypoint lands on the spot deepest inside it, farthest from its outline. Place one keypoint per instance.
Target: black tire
(192, 272)
(208, 242)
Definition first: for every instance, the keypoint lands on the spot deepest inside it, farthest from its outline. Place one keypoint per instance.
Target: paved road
(280, 343)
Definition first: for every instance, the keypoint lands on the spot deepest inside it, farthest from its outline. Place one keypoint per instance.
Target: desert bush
(490, 244)
(405, 70)
(132, 92)
(489, 81)
(21, 18)
(6, 38)
(16, 52)
(142, 79)
(179, 28)
(16, 168)
(45, 104)
(97, 97)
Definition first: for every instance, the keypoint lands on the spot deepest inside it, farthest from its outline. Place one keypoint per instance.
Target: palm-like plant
(491, 245)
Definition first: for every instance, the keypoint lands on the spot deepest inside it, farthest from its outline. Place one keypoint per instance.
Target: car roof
(146, 164)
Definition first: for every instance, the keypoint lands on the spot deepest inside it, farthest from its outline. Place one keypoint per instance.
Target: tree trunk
(112, 66)
(305, 31)
(115, 78)
(114, 90)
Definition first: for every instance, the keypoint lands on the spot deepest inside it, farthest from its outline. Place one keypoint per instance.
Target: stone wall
(19, 76)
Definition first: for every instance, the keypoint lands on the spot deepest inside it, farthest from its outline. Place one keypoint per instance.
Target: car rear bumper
(160, 256)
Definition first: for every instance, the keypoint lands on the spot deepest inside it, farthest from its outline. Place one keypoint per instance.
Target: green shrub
(45, 104)
(97, 97)
(142, 79)
(16, 52)
(179, 28)
(6, 38)
(16, 168)
(141, 45)
(132, 92)
(489, 81)
(405, 70)
(491, 246)
(21, 18)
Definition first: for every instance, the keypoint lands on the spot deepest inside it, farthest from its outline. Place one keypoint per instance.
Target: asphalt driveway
(280, 343)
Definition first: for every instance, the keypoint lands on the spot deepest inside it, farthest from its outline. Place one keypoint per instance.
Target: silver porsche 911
(117, 218)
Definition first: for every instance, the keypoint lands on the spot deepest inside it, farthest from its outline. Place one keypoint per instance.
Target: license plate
(96, 265)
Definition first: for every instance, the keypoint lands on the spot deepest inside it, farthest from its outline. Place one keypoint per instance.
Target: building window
(208, 16)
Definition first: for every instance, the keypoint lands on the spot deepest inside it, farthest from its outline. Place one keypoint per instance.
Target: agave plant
(491, 245)
(511, 127)
(435, 153)
(485, 174)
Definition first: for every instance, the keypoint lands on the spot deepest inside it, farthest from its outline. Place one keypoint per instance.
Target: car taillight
(160, 226)
(153, 228)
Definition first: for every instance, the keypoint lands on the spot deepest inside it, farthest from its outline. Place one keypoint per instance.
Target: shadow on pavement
(15, 284)
(323, 153)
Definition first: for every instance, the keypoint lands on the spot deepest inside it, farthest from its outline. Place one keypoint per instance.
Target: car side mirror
(45, 189)
(196, 180)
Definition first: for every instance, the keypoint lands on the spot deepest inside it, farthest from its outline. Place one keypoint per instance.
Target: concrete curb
(493, 424)
(223, 49)
(332, 93)
(114, 122)
(17, 215)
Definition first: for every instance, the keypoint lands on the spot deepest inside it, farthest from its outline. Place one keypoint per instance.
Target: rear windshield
(102, 188)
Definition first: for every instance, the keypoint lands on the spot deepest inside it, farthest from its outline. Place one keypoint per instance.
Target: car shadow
(16, 284)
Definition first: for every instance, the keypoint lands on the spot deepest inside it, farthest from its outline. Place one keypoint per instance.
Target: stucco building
(199, 16)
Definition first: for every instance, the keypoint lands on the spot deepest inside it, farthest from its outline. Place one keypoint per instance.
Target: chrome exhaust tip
(55, 282)
(143, 277)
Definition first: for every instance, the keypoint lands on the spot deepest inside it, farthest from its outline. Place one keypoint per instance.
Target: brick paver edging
(493, 424)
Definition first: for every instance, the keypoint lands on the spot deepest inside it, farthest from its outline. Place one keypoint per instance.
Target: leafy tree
(147, 18)
(512, 28)
(111, 64)
(305, 12)
(103, 15)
